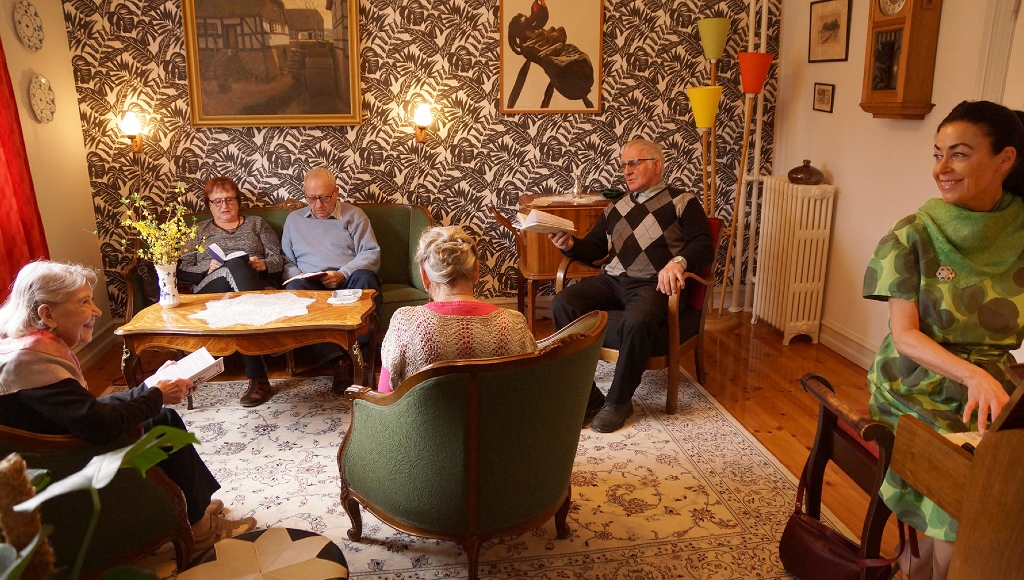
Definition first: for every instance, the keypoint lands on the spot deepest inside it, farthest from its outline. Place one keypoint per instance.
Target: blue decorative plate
(28, 24)
(43, 102)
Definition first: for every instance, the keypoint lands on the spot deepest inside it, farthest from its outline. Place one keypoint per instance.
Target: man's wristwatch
(680, 260)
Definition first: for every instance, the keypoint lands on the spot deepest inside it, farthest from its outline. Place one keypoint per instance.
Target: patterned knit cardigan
(419, 336)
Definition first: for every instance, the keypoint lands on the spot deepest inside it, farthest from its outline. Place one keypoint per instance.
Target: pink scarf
(36, 360)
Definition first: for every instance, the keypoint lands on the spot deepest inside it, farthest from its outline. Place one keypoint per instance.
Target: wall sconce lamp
(422, 118)
(132, 128)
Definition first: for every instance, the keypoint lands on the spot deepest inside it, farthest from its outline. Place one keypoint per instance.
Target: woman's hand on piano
(985, 394)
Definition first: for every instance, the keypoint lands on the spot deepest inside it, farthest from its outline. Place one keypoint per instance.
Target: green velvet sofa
(396, 226)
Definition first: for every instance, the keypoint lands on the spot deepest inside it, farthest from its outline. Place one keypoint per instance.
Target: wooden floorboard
(749, 372)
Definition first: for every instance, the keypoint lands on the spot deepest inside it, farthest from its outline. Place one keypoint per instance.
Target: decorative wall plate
(43, 102)
(28, 24)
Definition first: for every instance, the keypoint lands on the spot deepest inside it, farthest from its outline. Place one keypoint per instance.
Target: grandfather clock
(900, 61)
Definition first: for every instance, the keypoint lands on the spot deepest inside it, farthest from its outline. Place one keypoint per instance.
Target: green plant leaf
(38, 478)
(13, 563)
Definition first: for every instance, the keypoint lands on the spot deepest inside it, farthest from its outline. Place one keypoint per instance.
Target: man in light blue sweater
(335, 239)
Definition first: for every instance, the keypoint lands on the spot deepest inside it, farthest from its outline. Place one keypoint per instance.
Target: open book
(197, 367)
(217, 253)
(544, 223)
(304, 276)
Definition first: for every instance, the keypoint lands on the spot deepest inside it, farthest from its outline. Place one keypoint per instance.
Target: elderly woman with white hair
(42, 390)
(454, 324)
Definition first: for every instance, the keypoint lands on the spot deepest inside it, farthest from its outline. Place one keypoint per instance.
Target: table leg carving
(128, 362)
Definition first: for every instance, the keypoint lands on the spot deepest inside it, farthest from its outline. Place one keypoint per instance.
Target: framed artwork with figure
(824, 97)
(550, 56)
(829, 34)
(279, 62)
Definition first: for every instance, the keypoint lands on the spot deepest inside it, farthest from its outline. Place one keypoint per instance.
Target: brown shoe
(342, 375)
(259, 392)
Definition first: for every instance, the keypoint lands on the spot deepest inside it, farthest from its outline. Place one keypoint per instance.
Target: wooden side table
(539, 258)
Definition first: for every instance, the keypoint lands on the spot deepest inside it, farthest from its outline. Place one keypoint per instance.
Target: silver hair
(649, 148)
(320, 173)
(39, 283)
(447, 254)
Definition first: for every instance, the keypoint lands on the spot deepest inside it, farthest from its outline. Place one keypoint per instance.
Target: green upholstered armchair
(138, 514)
(473, 449)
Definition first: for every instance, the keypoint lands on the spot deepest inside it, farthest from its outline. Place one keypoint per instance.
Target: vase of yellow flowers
(162, 241)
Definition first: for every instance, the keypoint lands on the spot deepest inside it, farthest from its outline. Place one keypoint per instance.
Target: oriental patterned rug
(692, 495)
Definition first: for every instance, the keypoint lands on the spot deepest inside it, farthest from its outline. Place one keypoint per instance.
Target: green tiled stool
(274, 553)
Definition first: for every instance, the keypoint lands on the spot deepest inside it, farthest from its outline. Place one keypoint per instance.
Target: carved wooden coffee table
(156, 327)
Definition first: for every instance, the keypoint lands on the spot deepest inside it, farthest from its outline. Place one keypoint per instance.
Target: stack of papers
(544, 223)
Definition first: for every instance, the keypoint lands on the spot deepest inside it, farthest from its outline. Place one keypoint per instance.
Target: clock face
(891, 7)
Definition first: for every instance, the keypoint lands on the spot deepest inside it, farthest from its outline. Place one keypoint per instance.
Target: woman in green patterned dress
(953, 276)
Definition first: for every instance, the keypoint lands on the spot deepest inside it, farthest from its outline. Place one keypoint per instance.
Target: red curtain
(23, 239)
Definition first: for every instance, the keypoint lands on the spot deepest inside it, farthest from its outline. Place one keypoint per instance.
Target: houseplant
(153, 447)
(163, 241)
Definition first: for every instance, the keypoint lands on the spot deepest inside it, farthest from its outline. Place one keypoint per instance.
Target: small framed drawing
(550, 56)
(274, 63)
(829, 34)
(824, 97)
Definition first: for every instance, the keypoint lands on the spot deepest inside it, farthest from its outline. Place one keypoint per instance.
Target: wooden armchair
(861, 448)
(684, 329)
(474, 449)
(138, 513)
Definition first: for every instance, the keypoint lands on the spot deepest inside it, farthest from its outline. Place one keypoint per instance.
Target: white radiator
(796, 223)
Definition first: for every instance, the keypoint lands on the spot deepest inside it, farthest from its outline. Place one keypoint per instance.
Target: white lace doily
(253, 309)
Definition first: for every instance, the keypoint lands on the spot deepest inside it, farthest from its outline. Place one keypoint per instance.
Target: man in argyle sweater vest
(650, 238)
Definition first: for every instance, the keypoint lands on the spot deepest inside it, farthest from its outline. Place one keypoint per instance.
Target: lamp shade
(704, 102)
(130, 124)
(713, 32)
(423, 117)
(754, 70)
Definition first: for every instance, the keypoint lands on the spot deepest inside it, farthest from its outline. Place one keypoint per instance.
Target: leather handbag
(810, 550)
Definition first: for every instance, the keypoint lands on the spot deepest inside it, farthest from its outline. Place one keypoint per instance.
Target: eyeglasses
(321, 198)
(633, 164)
(223, 200)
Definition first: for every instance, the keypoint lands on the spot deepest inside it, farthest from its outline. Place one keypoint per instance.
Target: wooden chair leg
(521, 292)
(531, 302)
(352, 509)
(473, 553)
(672, 399)
(698, 362)
(561, 529)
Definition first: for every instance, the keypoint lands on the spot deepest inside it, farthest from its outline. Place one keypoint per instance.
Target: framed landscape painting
(274, 62)
(829, 34)
(550, 56)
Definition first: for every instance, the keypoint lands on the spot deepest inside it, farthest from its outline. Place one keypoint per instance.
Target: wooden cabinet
(541, 258)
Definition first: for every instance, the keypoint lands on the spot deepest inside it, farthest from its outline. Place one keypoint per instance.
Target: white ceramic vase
(167, 276)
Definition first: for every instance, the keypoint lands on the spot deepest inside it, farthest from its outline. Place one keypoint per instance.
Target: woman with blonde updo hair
(455, 324)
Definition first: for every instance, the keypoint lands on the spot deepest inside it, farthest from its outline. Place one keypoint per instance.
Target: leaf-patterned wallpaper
(132, 51)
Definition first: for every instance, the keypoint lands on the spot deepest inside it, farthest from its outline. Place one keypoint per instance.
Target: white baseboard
(853, 348)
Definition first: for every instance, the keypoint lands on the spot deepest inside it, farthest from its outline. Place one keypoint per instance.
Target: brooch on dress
(945, 274)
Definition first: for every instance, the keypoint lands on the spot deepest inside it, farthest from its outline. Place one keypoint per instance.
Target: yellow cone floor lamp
(704, 103)
(753, 72)
(713, 34)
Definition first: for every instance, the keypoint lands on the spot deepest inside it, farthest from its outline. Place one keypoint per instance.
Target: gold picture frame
(550, 59)
(286, 65)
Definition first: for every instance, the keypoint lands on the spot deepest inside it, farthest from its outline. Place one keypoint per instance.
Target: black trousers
(186, 469)
(636, 312)
(362, 279)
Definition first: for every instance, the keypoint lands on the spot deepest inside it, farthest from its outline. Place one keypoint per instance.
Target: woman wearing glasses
(254, 269)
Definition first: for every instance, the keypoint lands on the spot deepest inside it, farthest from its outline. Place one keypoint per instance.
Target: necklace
(230, 231)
